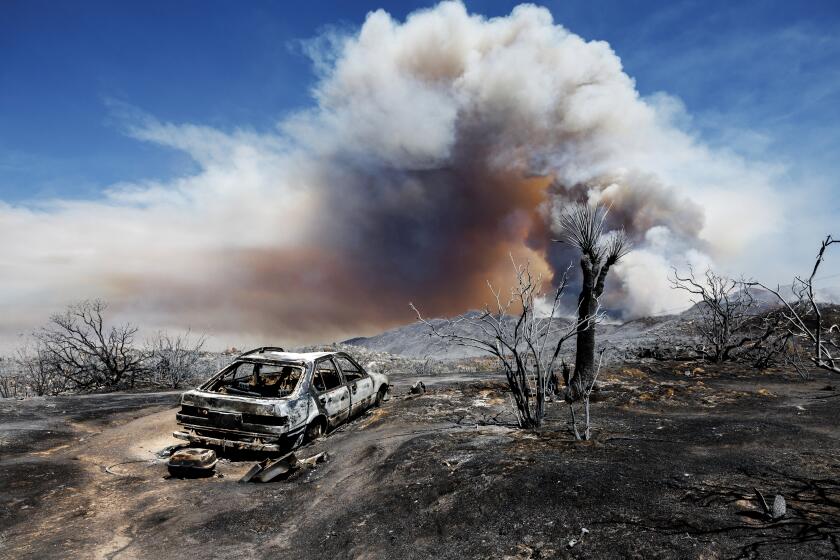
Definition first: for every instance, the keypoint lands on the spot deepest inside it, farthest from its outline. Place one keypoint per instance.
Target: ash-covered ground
(679, 450)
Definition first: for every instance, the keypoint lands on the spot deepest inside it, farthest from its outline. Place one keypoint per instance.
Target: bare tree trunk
(520, 342)
(582, 226)
(585, 336)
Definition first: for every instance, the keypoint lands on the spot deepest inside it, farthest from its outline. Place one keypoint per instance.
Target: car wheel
(380, 396)
(315, 430)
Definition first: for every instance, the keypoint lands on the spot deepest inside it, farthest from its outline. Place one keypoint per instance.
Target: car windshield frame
(257, 388)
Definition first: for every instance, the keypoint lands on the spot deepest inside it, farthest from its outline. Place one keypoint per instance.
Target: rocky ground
(679, 450)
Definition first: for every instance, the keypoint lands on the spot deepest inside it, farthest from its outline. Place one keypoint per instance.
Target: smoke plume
(435, 147)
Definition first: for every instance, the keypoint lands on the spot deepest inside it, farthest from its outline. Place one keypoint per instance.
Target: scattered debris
(257, 467)
(418, 388)
(169, 450)
(779, 508)
(268, 470)
(273, 469)
(523, 552)
(315, 459)
(761, 500)
(192, 463)
(583, 532)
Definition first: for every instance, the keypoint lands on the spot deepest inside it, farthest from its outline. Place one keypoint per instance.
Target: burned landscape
(673, 472)
(447, 280)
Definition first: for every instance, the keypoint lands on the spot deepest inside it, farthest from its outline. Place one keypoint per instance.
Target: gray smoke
(436, 146)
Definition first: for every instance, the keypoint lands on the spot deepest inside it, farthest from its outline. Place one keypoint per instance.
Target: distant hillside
(666, 332)
(415, 340)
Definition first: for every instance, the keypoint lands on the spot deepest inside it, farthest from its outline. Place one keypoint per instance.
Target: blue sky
(129, 131)
(762, 78)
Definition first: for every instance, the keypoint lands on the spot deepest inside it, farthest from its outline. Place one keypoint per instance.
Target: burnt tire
(380, 396)
(316, 429)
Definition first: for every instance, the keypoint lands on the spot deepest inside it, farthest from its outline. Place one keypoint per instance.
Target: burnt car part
(271, 401)
(258, 379)
(268, 470)
(255, 444)
(261, 350)
(192, 463)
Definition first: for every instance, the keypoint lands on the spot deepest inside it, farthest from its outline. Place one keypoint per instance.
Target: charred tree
(40, 372)
(727, 312)
(805, 321)
(87, 354)
(173, 360)
(527, 344)
(582, 227)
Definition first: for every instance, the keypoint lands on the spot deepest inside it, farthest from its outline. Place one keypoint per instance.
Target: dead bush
(518, 337)
(173, 360)
(729, 320)
(9, 379)
(804, 320)
(39, 371)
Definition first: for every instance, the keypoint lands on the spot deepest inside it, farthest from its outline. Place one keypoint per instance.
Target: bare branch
(805, 320)
(517, 336)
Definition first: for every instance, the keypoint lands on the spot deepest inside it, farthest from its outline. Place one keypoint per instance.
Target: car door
(332, 394)
(358, 382)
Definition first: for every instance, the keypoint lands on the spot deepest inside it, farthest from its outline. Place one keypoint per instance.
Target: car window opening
(326, 376)
(258, 380)
(351, 371)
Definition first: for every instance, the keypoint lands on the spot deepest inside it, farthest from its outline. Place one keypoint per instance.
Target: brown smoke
(435, 148)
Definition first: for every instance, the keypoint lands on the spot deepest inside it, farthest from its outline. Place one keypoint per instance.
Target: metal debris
(315, 459)
(257, 467)
(268, 470)
(573, 542)
(192, 463)
(779, 507)
(273, 469)
(169, 450)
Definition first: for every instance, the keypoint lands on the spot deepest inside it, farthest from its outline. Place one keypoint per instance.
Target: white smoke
(434, 148)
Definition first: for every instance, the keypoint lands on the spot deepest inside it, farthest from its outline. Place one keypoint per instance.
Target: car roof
(288, 356)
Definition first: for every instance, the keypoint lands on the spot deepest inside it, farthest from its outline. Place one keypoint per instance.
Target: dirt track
(444, 475)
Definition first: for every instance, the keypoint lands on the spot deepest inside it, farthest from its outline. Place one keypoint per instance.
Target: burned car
(269, 399)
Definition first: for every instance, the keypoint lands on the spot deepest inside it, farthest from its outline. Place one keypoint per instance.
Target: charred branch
(804, 319)
(729, 320)
(83, 351)
(518, 337)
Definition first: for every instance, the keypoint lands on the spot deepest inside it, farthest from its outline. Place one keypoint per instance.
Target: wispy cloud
(436, 146)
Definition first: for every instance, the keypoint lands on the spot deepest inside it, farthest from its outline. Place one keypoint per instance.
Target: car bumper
(254, 445)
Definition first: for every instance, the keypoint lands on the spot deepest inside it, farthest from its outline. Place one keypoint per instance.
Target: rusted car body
(268, 399)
